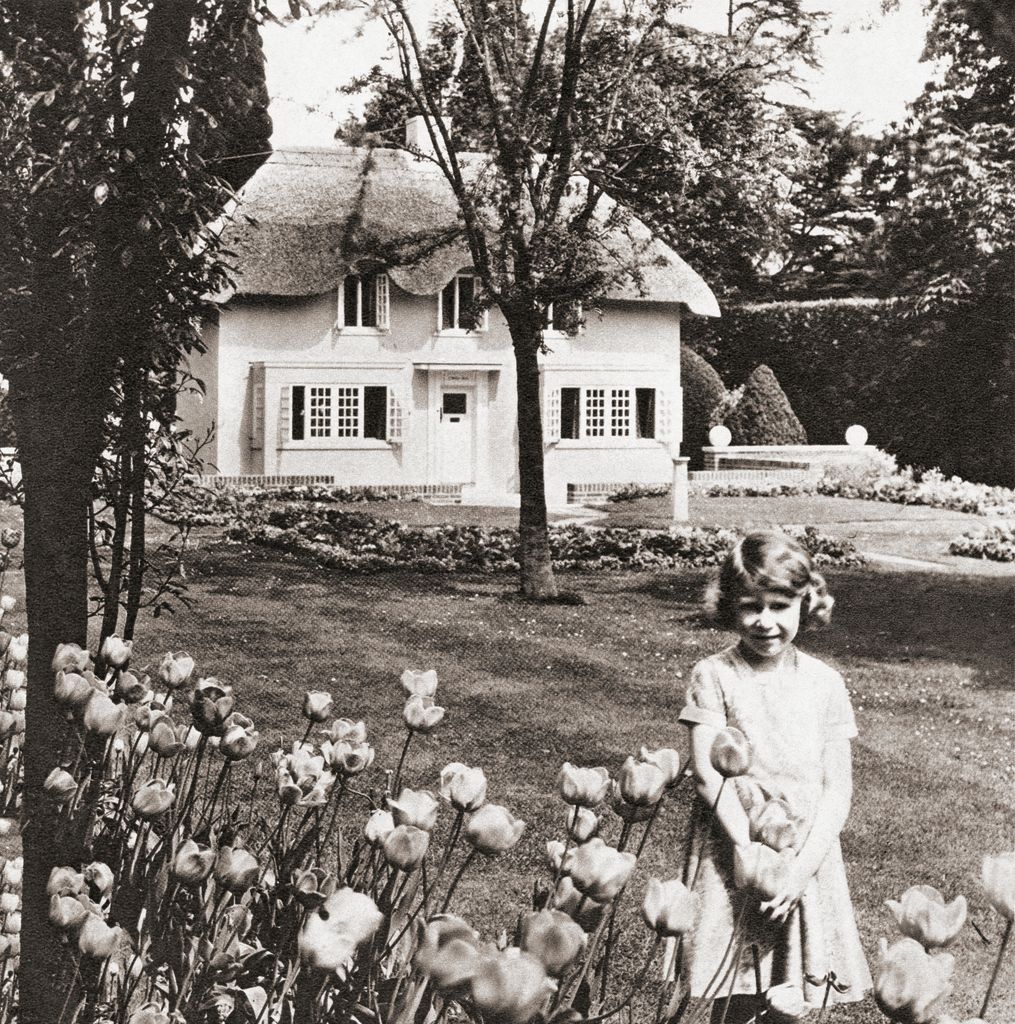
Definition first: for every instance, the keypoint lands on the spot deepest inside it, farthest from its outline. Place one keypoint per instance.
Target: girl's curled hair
(770, 560)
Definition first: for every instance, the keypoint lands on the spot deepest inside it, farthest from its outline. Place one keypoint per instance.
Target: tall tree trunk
(57, 476)
(537, 580)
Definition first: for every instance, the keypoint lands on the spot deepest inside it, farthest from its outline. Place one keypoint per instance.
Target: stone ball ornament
(856, 436)
(720, 436)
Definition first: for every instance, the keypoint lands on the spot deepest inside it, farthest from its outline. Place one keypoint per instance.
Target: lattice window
(620, 412)
(595, 412)
(665, 419)
(256, 408)
(319, 412)
(552, 415)
(284, 415)
(396, 418)
(347, 422)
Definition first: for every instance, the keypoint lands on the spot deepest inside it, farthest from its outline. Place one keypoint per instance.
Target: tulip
(585, 787)
(999, 883)
(9, 902)
(493, 829)
(8, 725)
(313, 886)
(18, 700)
(422, 715)
(785, 1004)
(14, 679)
(60, 785)
(8, 826)
(9, 537)
(581, 824)
(553, 938)
(447, 952)
(333, 933)
(212, 704)
(130, 689)
(99, 876)
(71, 689)
(760, 869)
(153, 798)
(317, 705)
(236, 869)
(599, 871)
(641, 783)
(422, 684)
(555, 851)
(64, 881)
(97, 939)
(17, 651)
(70, 658)
(192, 864)
(666, 759)
(7, 603)
(165, 737)
(12, 924)
(630, 813)
(922, 914)
(405, 847)
(116, 652)
(67, 912)
(509, 987)
(669, 908)
(345, 730)
(379, 826)
(731, 753)
(102, 716)
(149, 1013)
(771, 824)
(239, 737)
(348, 759)
(415, 807)
(301, 777)
(463, 787)
(175, 670)
(910, 985)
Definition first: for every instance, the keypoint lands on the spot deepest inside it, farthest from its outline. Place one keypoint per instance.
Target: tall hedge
(703, 392)
(763, 415)
(925, 389)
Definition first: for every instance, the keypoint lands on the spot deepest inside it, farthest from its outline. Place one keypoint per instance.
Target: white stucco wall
(295, 342)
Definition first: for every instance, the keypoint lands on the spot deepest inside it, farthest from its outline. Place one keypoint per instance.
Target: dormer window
(566, 321)
(456, 305)
(363, 302)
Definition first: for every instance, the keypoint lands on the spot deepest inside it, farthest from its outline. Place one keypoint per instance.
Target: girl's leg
(742, 1009)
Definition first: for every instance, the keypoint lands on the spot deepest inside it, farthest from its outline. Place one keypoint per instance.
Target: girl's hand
(784, 902)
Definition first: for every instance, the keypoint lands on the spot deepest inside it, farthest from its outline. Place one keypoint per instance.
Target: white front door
(456, 417)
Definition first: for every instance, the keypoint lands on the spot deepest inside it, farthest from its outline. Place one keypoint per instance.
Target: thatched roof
(317, 213)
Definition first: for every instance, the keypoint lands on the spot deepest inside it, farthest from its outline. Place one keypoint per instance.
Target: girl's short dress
(787, 716)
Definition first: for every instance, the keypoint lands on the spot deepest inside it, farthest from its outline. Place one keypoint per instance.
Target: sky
(870, 64)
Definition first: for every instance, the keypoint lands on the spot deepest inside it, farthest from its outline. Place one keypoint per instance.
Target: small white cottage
(328, 365)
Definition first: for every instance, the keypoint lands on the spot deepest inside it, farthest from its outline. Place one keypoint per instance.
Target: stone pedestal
(681, 509)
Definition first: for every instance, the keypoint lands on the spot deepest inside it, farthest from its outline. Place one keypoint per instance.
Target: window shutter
(552, 426)
(285, 415)
(664, 417)
(381, 294)
(256, 408)
(396, 417)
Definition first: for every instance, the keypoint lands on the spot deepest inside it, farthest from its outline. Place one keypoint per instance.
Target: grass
(927, 658)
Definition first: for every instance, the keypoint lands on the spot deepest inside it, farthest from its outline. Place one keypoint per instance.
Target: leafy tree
(948, 244)
(104, 272)
(704, 393)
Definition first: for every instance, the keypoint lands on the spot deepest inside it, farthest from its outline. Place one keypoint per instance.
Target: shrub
(631, 492)
(763, 415)
(996, 543)
(704, 393)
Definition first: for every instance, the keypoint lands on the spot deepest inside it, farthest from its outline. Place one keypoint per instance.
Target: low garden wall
(814, 457)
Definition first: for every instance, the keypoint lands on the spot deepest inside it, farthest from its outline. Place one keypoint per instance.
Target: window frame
(550, 330)
(338, 402)
(602, 406)
(457, 331)
(382, 316)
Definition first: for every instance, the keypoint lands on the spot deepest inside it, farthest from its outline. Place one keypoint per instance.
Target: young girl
(795, 713)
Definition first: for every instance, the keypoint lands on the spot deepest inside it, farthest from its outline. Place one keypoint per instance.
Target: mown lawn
(927, 657)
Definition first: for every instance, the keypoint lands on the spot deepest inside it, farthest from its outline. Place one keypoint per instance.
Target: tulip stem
(401, 761)
(635, 986)
(454, 881)
(997, 968)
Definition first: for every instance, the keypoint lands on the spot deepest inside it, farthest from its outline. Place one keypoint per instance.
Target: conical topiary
(704, 392)
(763, 415)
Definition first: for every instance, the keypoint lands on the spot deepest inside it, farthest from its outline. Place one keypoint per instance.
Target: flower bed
(901, 486)
(356, 542)
(996, 543)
